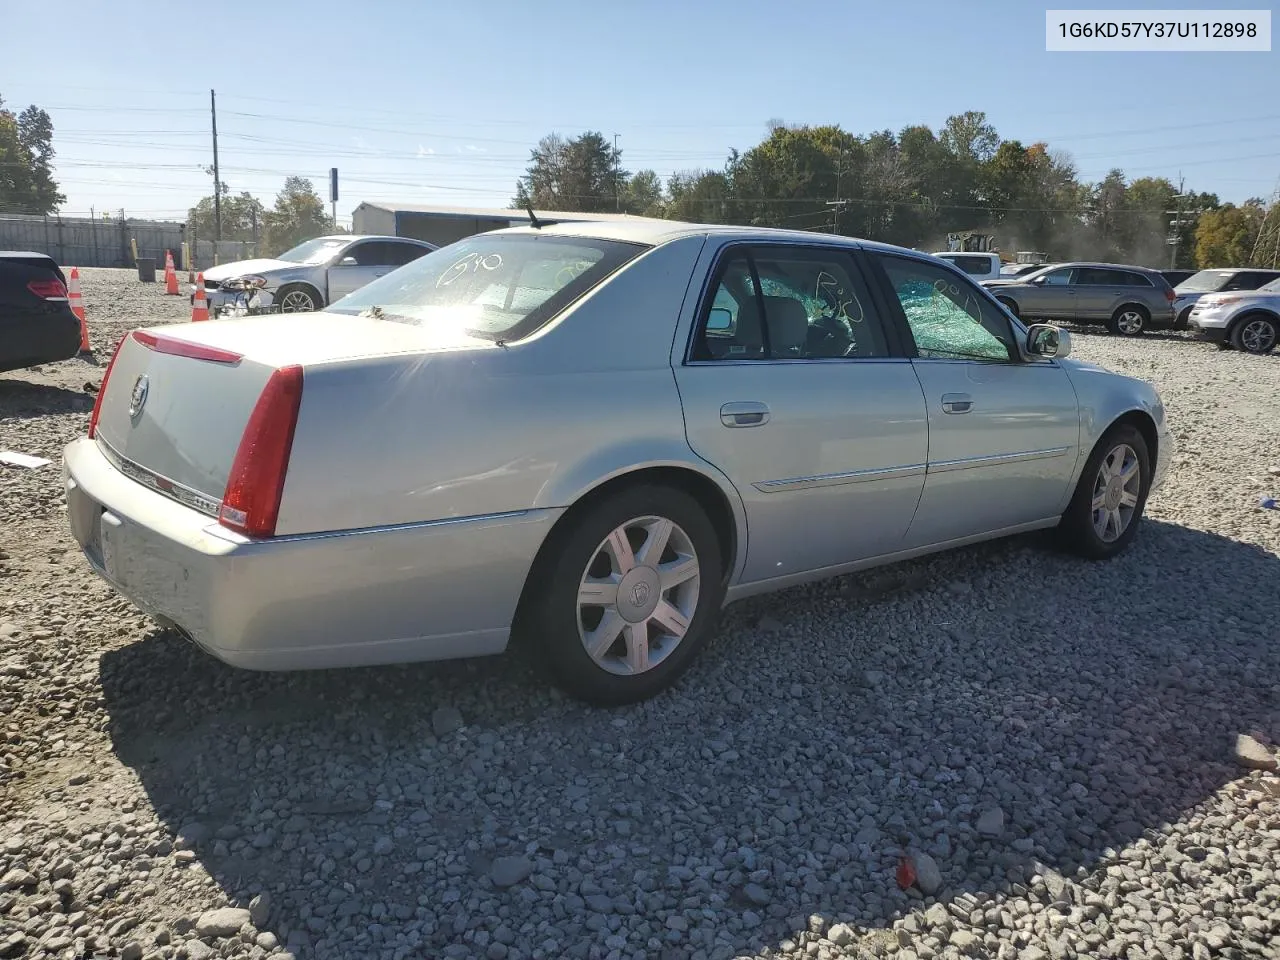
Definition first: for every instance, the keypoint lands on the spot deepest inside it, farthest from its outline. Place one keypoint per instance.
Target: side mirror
(1037, 280)
(348, 262)
(1046, 340)
(719, 323)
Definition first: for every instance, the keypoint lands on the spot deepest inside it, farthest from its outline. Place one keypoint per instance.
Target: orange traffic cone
(200, 305)
(77, 307)
(170, 275)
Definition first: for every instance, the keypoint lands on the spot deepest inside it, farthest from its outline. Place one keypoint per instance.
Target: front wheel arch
(1238, 324)
(309, 289)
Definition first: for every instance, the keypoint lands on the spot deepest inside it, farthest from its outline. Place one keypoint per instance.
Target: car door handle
(744, 413)
(956, 403)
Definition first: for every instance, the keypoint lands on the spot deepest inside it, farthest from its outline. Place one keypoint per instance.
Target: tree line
(911, 188)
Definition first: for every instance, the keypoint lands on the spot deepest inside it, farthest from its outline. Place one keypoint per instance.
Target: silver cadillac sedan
(589, 437)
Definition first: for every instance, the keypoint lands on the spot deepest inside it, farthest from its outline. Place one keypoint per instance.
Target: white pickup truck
(980, 266)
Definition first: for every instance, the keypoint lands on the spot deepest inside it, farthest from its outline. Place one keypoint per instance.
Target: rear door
(1003, 432)
(796, 388)
(362, 262)
(1099, 291)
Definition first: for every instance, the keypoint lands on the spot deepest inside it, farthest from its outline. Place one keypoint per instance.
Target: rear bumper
(425, 591)
(28, 339)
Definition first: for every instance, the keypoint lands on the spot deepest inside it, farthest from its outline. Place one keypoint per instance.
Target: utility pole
(1174, 240)
(617, 194)
(217, 182)
(837, 204)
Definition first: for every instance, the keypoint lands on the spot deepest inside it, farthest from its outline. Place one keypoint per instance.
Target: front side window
(492, 286)
(974, 266)
(779, 303)
(949, 317)
(1057, 278)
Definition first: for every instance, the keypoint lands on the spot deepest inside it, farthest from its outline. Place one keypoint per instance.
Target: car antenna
(533, 217)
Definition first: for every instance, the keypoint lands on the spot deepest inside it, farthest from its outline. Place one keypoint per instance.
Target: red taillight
(48, 289)
(1170, 295)
(102, 390)
(251, 502)
(184, 348)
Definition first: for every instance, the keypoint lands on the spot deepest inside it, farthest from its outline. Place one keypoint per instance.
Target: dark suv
(36, 322)
(1128, 300)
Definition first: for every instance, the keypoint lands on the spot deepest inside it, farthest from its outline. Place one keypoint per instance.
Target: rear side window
(1098, 277)
(497, 287)
(1137, 280)
(398, 254)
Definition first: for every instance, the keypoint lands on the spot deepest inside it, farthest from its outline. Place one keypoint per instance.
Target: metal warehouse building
(442, 225)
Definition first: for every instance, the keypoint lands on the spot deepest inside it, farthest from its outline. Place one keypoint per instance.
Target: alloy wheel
(1115, 492)
(638, 595)
(297, 301)
(1258, 336)
(1129, 323)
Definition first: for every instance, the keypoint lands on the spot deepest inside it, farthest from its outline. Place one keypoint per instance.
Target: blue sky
(440, 103)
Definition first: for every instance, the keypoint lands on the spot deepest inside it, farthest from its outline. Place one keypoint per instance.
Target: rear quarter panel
(490, 430)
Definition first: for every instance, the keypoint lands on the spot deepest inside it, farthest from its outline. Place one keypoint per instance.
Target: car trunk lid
(178, 399)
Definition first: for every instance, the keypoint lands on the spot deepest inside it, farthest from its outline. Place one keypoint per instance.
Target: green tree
(700, 196)
(243, 216)
(26, 162)
(1225, 237)
(298, 215)
(582, 174)
(643, 194)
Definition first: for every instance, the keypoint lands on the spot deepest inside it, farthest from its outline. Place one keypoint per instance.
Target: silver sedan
(590, 437)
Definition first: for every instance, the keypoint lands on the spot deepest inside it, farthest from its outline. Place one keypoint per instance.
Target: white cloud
(425, 151)
(472, 148)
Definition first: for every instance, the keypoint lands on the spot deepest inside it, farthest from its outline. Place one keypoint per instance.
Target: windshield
(492, 286)
(1206, 281)
(314, 251)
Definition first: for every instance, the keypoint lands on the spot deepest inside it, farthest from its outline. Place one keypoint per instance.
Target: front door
(1003, 432)
(1051, 297)
(794, 387)
(361, 263)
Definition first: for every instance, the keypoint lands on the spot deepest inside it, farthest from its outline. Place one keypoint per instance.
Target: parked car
(1176, 277)
(1128, 300)
(980, 266)
(1217, 281)
(1247, 320)
(589, 436)
(313, 274)
(36, 322)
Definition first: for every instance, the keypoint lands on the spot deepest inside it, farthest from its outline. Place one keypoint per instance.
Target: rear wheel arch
(706, 491)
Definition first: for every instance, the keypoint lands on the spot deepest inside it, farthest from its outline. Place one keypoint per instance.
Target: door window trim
(1017, 334)
(894, 344)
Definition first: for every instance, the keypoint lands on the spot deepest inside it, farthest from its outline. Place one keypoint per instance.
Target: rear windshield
(1206, 281)
(1272, 287)
(493, 286)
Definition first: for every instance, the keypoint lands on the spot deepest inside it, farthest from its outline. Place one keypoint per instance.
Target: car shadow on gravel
(23, 400)
(825, 730)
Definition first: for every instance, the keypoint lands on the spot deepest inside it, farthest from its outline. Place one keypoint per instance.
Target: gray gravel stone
(445, 720)
(508, 871)
(928, 876)
(223, 922)
(1253, 754)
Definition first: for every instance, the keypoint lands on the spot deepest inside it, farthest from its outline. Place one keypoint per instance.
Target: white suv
(980, 266)
(1248, 320)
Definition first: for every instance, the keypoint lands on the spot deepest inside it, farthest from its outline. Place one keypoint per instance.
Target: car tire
(1009, 305)
(1255, 333)
(1095, 524)
(559, 625)
(1180, 322)
(1129, 320)
(297, 298)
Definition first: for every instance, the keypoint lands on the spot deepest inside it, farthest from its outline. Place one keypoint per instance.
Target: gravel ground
(1054, 743)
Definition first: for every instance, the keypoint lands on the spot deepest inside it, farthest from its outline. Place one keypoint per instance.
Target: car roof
(1105, 266)
(349, 237)
(23, 255)
(653, 232)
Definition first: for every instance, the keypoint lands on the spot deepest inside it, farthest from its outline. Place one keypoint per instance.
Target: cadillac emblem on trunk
(138, 399)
